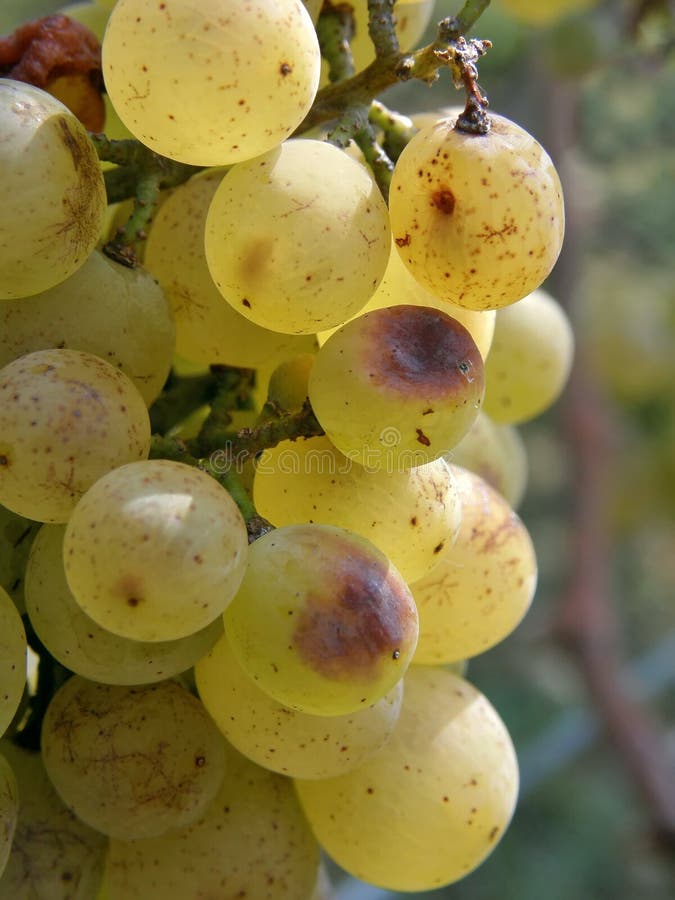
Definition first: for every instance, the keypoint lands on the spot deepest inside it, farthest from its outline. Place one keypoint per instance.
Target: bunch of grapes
(258, 463)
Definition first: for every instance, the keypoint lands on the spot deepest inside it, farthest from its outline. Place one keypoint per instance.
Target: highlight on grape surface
(264, 343)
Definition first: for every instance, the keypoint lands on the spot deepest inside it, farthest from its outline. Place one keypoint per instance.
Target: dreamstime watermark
(302, 457)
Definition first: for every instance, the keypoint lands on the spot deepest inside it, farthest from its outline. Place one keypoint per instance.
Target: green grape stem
(382, 28)
(335, 29)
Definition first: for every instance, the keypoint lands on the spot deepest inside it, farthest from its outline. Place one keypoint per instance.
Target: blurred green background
(597, 88)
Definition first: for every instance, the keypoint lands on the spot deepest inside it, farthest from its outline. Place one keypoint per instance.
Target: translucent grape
(478, 219)
(497, 453)
(214, 82)
(9, 810)
(293, 252)
(322, 621)
(131, 762)
(483, 584)
(431, 805)
(399, 287)
(66, 418)
(107, 309)
(531, 359)
(252, 841)
(397, 387)
(16, 537)
(54, 855)
(52, 194)
(155, 551)
(83, 646)
(409, 514)
(285, 740)
(12, 660)
(208, 329)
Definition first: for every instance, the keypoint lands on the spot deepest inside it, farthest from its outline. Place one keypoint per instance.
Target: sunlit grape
(213, 82)
(293, 252)
(477, 218)
(322, 621)
(131, 762)
(155, 551)
(431, 805)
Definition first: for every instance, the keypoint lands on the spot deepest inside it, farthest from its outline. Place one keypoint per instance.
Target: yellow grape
(432, 804)
(155, 551)
(409, 514)
(531, 359)
(253, 841)
(483, 584)
(67, 418)
(54, 854)
(12, 660)
(214, 82)
(131, 762)
(289, 382)
(478, 219)
(52, 193)
(9, 809)
(399, 287)
(397, 387)
(208, 329)
(497, 453)
(80, 644)
(107, 309)
(286, 740)
(538, 12)
(322, 622)
(293, 252)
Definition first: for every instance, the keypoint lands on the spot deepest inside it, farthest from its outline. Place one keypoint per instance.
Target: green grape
(107, 309)
(214, 82)
(293, 252)
(483, 584)
(252, 841)
(67, 418)
(131, 762)
(289, 382)
(54, 855)
(16, 537)
(409, 514)
(496, 453)
(155, 551)
(83, 646)
(431, 805)
(286, 740)
(9, 810)
(531, 359)
(398, 287)
(52, 193)
(397, 387)
(322, 622)
(478, 219)
(534, 12)
(208, 329)
(12, 660)
(92, 15)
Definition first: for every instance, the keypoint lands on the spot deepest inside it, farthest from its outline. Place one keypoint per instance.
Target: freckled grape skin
(322, 622)
(107, 309)
(52, 194)
(131, 762)
(285, 740)
(12, 660)
(397, 387)
(432, 804)
(84, 647)
(155, 551)
(66, 418)
(483, 583)
(214, 82)
(478, 219)
(409, 515)
(252, 842)
(533, 354)
(9, 809)
(293, 252)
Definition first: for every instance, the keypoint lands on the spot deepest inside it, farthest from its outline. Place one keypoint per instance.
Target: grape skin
(9, 810)
(12, 660)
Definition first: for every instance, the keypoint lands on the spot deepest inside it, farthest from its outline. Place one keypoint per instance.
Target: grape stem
(335, 29)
